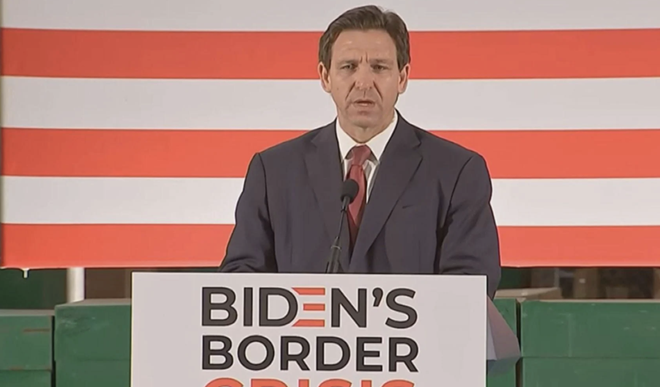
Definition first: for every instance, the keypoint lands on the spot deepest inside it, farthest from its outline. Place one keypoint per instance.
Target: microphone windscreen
(349, 189)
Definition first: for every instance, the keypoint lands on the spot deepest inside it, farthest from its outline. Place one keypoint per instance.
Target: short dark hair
(369, 17)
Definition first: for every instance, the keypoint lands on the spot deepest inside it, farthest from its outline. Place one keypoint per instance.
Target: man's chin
(364, 118)
(364, 122)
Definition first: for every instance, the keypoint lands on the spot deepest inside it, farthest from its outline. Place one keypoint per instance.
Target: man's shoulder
(436, 146)
(294, 146)
(450, 160)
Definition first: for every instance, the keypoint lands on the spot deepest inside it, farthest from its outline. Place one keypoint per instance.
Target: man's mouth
(364, 102)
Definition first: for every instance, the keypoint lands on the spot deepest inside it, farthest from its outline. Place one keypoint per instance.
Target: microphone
(348, 192)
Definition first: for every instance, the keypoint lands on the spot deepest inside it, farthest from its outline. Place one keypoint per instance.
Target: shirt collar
(377, 144)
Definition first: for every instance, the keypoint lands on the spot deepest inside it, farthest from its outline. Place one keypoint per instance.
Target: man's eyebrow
(371, 61)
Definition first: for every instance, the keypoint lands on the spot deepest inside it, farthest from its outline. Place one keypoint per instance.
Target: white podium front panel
(302, 330)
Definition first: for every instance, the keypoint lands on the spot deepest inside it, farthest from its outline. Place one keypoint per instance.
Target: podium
(315, 330)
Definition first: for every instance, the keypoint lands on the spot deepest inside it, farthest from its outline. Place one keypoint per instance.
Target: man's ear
(403, 78)
(324, 75)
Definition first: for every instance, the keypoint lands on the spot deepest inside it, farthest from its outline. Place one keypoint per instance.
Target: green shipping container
(110, 373)
(508, 308)
(26, 338)
(93, 330)
(590, 372)
(26, 379)
(590, 329)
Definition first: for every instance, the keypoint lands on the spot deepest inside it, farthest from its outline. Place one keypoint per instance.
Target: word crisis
(229, 382)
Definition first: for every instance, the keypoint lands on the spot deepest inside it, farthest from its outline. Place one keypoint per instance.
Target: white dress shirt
(376, 144)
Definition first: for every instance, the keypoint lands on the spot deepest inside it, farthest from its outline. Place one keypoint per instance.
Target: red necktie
(360, 153)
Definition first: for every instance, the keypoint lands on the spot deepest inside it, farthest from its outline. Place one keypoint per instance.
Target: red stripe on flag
(171, 153)
(131, 153)
(620, 246)
(55, 246)
(127, 245)
(293, 55)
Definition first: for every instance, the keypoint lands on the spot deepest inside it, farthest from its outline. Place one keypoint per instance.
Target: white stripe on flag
(120, 200)
(288, 104)
(305, 15)
(517, 202)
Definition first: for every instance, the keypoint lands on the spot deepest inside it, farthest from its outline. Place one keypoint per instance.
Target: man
(423, 204)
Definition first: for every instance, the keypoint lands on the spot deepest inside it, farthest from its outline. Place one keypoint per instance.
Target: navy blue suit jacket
(429, 210)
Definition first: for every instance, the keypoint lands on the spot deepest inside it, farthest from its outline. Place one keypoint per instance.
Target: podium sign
(308, 330)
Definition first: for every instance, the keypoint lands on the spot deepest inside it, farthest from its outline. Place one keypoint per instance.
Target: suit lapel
(398, 165)
(325, 176)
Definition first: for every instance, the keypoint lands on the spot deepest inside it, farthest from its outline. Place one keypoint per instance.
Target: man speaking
(417, 204)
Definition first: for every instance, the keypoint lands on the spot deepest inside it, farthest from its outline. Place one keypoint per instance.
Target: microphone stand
(333, 264)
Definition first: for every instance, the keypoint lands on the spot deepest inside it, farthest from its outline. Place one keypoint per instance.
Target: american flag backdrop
(127, 125)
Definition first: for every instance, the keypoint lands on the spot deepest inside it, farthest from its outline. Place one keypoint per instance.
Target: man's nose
(364, 77)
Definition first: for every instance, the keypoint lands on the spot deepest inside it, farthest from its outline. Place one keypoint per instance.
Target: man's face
(364, 79)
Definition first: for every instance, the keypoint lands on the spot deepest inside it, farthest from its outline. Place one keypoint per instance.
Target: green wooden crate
(93, 330)
(40, 289)
(26, 379)
(588, 329)
(26, 340)
(111, 373)
(590, 372)
(508, 308)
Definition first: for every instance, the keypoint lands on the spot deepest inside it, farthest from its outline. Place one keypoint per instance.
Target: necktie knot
(360, 154)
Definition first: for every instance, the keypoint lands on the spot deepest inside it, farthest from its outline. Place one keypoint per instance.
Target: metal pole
(75, 284)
